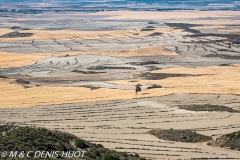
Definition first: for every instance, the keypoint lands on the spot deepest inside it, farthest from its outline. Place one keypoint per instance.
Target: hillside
(17, 138)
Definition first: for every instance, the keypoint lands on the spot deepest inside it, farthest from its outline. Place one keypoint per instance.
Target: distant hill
(31, 139)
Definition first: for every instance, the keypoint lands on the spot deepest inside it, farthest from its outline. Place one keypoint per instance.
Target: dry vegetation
(154, 86)
(16, 35)
(223, 56)
(91, 87)
(42, 139)
(186, 135)
(229, 141)
(144, 63)
(159, 76)
(208, 107)
(22, 82)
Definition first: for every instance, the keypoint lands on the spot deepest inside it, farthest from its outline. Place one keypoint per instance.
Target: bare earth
(16, 60)
(82, 71)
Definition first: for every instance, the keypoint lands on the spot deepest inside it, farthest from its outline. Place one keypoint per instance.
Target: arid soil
(78, 74)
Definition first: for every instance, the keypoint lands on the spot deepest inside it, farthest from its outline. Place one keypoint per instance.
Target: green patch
(17, 138)
(187, 135)
(154, 86)
(144, 63)
(109, 67)
(208, 107)
(80, 143)
(223, 56)
(110, 157)
(16, 35)
(159, 76)
(147, 29)
(86, 72)
(91, 87)
(233, 38)
(230, 141)
(185, 26)
(22, 82)
(182, 25)
(155, 34)
(234, 135)
(1, 76)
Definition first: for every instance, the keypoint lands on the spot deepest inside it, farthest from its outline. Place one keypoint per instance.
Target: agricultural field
(76, 72)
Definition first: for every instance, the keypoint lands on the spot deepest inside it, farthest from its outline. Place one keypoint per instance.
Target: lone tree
(138, 88)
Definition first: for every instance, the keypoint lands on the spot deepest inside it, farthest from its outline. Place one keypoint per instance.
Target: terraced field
(78, 74)
(122, 125)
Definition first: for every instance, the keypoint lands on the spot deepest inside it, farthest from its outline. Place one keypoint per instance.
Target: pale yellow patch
(16, 60)
(78, 34)
(150, 51)
(5, 31)
(153, 15)
(218, 80)
(17, 96)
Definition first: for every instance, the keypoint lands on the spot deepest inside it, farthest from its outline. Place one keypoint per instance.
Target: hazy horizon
(123, 4)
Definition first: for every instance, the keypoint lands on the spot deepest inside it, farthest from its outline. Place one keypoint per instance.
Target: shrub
(80, 143)
(110, 157)
(124, 154)
(99, 146)
(209, 143)
(137, 155)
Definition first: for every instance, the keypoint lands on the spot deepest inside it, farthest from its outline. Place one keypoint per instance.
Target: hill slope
(17, 138)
